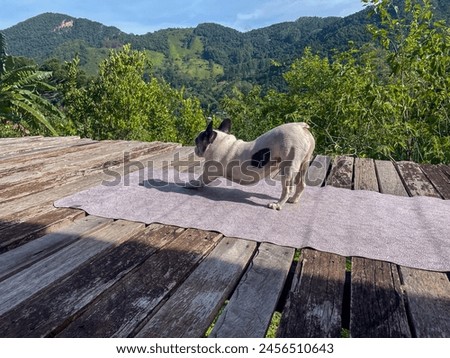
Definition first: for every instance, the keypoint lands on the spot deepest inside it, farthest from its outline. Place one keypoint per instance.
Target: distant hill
(206, 59)
(40, 36)
(61, 36)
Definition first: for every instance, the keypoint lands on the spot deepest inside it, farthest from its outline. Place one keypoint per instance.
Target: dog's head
(208, 136)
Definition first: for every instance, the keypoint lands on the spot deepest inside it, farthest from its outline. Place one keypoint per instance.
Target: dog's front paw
(274, 206)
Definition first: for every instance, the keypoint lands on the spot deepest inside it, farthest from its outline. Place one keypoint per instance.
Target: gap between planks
(193, 306)
(72, 295)
(27, 282)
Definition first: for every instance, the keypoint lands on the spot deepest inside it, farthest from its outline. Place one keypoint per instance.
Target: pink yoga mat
(413, 232)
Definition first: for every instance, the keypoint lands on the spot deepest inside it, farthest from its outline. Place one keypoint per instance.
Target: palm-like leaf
(26, 76)
(19, 96)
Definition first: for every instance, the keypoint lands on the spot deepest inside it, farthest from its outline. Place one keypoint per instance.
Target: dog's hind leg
(287, 181)
(300, 181)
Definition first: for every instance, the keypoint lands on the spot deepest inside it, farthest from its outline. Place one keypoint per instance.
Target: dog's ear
(225, 126)
(210, 134)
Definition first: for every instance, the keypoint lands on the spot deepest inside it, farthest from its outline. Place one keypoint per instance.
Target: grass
(348, 264)
(271, 331)
(156, 58)
(276, 316)
(345, 333)
(186, 54)
(274, 324)
(210, 328)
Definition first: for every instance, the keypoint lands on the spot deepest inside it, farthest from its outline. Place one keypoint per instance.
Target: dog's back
(286, 141)
(291, 142)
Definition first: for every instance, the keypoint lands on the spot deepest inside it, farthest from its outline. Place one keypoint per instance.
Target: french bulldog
(286, 149)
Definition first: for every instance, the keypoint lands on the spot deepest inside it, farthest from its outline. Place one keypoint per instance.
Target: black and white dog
(286, 149)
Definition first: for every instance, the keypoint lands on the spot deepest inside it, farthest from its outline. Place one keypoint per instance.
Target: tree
(418, 60)
(388, 99)
(22, 106)
(121, 104)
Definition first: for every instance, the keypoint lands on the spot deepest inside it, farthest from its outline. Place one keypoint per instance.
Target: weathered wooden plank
(314, 304)
(191, 309)
(26, 283)
(187, 160)
(20, 156)
(389, 181)
(183, 159)
(317, 171)
(25, 255)
(118, 311)
(19, 142)
(19, 150)
(249, 312)
(133, 156)
(445, 169)
(10, 219)
(427, 293)
(16, 162)
(84, 156)
(5, 141)
(377, 308)
(341, 175)
(81, 182)
(24, 144)
(415, 181)
(48, 222)
(89, 159)
(44, 218)
(34, 168)
(439, 179)
(365, 175)
(428, 296)
(44, 150)
(70, 296)
(65, 175)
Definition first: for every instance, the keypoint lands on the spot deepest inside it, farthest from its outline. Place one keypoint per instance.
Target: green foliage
(23, 108)
(254, 113)
(384, 94)
(345, 333)
(273, 326)
(391, 102)
(75, 99)
(39, 36)
(418, 59)
(209, 59)
(120, 104)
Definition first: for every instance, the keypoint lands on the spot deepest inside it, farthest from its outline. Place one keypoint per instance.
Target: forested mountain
(373, 86)
(40, 36)
(208, 59)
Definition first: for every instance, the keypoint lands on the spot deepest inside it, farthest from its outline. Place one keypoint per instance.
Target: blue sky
(142, 16)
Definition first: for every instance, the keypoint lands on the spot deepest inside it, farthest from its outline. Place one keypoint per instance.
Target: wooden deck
(65, 274)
